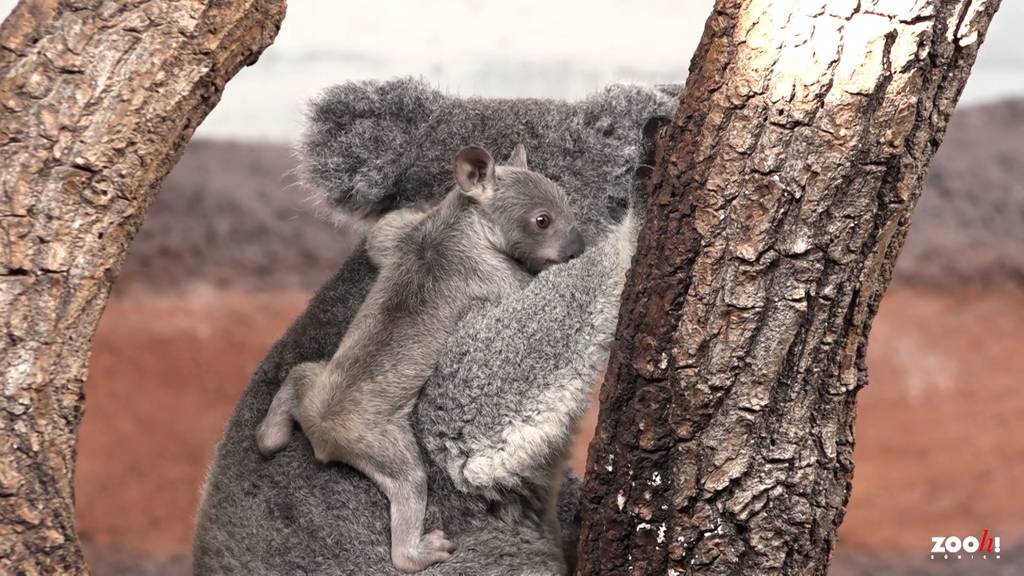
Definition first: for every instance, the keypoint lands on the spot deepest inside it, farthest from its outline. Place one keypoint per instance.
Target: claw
(437, 540)
(434, 547)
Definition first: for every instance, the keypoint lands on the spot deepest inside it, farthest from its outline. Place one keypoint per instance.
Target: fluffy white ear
(474, 172)
(518, 158)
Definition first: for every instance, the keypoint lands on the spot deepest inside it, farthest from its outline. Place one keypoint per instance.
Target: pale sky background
(540, 48)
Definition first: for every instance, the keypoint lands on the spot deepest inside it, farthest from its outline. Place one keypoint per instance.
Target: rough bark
(98, 99)
(781, 196)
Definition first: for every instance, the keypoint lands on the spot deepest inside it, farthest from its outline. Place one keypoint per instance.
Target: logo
(969, 548)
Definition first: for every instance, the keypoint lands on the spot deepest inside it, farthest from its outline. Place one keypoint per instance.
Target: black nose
(574, 245)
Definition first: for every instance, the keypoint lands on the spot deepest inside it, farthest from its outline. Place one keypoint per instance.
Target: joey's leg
(276, 428)
(394, 463)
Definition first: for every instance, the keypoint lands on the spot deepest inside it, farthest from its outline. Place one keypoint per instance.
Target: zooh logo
(956, 548)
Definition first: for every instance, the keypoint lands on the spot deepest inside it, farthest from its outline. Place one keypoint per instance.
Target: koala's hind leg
(392, 460)
(276, 428)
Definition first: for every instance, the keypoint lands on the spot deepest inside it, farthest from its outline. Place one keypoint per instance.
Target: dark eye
(543, 221)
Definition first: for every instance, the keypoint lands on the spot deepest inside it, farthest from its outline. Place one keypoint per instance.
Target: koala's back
(337, 525)
(291, 515)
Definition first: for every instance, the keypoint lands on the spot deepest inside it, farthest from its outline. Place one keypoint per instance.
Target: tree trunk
(98, 99)
(780, 199)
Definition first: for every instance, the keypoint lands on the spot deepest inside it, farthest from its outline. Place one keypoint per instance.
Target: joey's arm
(383, 238)
(518, 374)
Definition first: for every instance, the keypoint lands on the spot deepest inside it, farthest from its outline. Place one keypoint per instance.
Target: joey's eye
(543, 221)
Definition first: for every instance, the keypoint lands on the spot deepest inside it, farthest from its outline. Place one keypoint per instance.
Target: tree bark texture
(97, 100)
(780, 198)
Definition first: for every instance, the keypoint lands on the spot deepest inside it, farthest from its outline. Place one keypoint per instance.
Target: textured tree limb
(781, 198)
(98, 100)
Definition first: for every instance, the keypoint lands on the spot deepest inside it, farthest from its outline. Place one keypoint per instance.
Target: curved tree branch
(98, 100)
(780, 200)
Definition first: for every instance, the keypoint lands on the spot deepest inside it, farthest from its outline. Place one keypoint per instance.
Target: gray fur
(433, 265)
(373, 146)
(524, 364)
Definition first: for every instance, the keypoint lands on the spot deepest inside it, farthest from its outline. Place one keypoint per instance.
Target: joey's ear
(518, 158)
(474, 171)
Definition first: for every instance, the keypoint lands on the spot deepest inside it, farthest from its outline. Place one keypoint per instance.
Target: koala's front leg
(521, 373)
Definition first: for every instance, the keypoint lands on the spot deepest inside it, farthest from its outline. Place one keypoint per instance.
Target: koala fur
(494, 419)
(480, 243)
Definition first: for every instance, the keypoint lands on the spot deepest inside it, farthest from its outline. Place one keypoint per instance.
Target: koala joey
(495, 229)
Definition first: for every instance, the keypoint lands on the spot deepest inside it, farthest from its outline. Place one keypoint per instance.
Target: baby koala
(485, 239)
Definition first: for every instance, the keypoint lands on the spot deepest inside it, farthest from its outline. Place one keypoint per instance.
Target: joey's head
(530, 213)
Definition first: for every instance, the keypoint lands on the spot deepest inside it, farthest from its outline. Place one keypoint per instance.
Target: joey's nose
(574, 245)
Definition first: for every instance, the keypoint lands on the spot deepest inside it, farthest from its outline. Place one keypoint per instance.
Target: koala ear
(518, 158)
(474, 172)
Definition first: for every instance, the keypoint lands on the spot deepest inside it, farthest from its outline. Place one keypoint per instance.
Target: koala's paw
(436, 540)
(272, 436)
(489, 475)
(433, 547)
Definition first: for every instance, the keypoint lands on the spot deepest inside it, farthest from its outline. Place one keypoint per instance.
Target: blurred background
(231, 252)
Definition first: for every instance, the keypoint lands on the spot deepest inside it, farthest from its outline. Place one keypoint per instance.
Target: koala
(494, 417)
(486, 238)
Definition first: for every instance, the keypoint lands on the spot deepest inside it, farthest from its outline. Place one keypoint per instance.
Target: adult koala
(495, 418)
